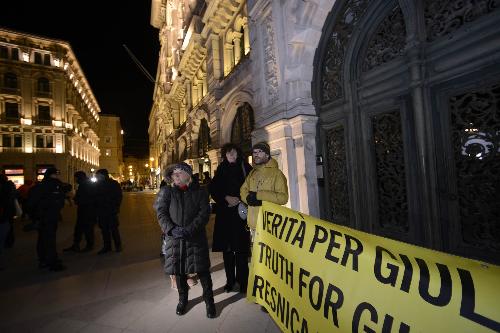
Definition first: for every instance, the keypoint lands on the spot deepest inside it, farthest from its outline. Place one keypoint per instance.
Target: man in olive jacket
(183, 210)
(264, 183)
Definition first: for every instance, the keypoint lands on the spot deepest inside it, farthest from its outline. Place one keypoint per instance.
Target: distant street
(115, 292)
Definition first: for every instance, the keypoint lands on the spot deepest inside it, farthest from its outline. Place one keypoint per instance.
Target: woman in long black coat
(182, 212)
(230, 233)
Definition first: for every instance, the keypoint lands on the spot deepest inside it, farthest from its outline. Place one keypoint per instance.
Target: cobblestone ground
(116, 292)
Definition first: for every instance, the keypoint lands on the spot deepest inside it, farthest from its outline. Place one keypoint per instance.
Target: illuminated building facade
(48, 113)
(383, 115)
(111, 145)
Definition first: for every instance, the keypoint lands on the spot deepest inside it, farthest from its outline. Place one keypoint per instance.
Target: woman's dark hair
(226, 148)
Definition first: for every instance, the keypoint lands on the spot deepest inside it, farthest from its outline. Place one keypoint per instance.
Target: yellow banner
(316, 276)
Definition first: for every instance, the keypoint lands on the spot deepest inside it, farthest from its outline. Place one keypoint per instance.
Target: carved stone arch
(229, 113)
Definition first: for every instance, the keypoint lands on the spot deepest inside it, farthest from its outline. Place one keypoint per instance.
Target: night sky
(96, 31)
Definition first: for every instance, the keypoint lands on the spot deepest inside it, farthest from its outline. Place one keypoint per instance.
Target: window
(10, 80)
(43, 85)
(46, 59)
(108, 152)
(49, 140)
(38, 58)
(107, 139)
(204, 143)
(241, 132)
(4, 52)
(40, 141)
(44, 112)
(18, 140)
(11, 110)
(6, 140)
(14, 54)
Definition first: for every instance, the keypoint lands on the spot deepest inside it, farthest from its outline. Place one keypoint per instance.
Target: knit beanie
(184, 167)
(262, 146)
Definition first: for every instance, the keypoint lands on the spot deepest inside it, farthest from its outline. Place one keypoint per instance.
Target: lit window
(108, 152)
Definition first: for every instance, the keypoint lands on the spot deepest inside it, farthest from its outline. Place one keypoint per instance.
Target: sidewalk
(119, 292)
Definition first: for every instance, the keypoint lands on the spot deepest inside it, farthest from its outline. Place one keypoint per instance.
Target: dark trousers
(206, 283)
(84, 227)
(9, 241)
(236, 267)
(109, 228)
(46, 244)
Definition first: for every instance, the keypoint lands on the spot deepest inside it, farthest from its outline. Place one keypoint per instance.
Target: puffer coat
(269, 183)
(189, 209)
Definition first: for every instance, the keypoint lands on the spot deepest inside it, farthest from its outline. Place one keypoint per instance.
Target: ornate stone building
(384, 115)
(48, 113)
(111, 146)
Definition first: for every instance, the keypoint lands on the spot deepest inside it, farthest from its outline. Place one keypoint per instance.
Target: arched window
(204, 143)
(10, 80)
(241, 131)
(43, 85)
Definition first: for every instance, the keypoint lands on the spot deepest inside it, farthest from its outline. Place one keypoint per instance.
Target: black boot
(211, 311)
(183, 290)
(181, 307)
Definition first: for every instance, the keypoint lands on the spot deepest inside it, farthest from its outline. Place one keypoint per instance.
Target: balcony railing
(42, 122)
(11, 149)
(10, 91)
(44, 150)
(10, 120)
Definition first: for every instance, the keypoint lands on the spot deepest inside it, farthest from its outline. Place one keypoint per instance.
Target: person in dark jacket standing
(231, 236)
(183, 210)
(7, 211)
(85, 214)
(109, 199)
(47, 200)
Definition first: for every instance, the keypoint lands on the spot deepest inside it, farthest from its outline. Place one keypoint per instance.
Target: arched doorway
(408, 105)
(242, 127)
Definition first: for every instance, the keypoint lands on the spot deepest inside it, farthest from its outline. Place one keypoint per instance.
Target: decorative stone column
(237, 47)
(304, 137)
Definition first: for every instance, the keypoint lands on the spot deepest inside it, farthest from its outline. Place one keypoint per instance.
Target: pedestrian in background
(46, 202)
(183, 212)
(109, 198)
(7, 212)
(85, 213)
(231, 237)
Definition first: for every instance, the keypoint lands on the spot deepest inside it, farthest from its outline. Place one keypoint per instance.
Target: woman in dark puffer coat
(183, 210)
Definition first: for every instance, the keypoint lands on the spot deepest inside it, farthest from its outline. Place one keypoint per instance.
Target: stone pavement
(119, 292)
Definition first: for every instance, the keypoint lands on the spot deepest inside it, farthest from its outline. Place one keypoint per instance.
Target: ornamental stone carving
(270, 63)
